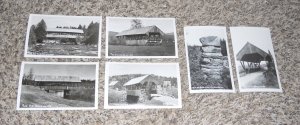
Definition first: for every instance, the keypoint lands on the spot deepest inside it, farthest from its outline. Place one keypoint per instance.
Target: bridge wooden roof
(47, 78)
(135, 80)
(142, 30)
(251, 53)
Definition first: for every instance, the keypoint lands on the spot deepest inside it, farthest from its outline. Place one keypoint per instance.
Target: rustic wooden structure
(115, 85)
(251, 56)
(61, 85)
(150, 35)
(141, 88)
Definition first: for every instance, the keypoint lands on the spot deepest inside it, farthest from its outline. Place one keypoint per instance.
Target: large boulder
(210, 41)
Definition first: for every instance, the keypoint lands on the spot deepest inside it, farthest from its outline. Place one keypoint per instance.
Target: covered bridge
(150, 35)
(141, 88)
(61, 85)
(252, 56)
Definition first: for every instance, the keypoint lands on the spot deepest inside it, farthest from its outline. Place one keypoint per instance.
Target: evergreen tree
(40, 31)
(79, 27)
(91, 33)
(223, 47)
(32, 36)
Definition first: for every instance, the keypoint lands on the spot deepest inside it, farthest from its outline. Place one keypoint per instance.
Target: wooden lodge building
(250, 57)
(150, 35)
(55, 35)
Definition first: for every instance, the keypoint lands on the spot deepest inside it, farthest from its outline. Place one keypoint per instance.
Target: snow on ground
(157, 100)
(166, 100)
(33, 97)
(253, 80)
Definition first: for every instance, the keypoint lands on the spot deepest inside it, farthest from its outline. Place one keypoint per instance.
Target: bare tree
(28, 79)
(136, 23)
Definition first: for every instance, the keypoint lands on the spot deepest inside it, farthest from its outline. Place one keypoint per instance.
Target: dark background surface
(282, 17)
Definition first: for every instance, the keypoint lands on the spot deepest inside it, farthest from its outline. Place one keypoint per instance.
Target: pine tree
(40, 31)
(79, 27)
(223, 47)
(32, 36)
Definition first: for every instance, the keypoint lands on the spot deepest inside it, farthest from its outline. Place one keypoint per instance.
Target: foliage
(115, 96)
(28, 79)
(32, 36)
(68, 41)
(113, 40)
(40, 31)
(91, 34)
(136, 23)
(83, 94)
(223, 47)
(226, 79)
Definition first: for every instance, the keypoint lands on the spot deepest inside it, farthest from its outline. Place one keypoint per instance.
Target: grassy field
(122, 50)
(33, 97)
(60, 49)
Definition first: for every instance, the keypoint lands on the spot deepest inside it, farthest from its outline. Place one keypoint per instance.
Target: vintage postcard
(255, 59)
(58, 86)
(208, 59)
(63, 36)
(142, 85)
(128, 37)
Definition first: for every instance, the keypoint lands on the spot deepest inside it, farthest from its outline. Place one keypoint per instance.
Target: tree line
(38, 33)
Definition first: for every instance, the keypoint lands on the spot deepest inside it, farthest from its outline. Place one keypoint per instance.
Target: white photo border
(61, 56)
(143, 18)
(237, 70)
(188, 64)
(59, 63)
(107, 106)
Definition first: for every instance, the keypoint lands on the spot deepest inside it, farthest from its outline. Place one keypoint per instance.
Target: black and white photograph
(128, 37)
(58, 86)
(63, 36)
(142, 85)
(255, 59)
(208, 59)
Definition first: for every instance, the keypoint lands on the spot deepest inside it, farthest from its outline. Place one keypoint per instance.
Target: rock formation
(213, 61)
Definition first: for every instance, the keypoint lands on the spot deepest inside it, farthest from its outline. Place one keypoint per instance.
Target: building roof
(135, 80)
(47, 78)
(64, 30)
(251, 53)
(112, 83)
(142, 30)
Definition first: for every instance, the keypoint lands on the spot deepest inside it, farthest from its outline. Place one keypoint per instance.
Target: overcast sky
(121, 24)
(53, 21)
(257, 36)
(168, 70)
(82, 71)
(193, 34)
